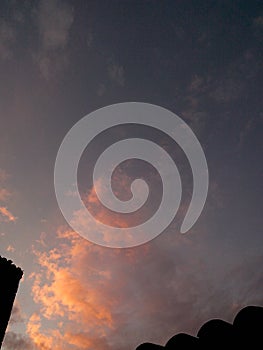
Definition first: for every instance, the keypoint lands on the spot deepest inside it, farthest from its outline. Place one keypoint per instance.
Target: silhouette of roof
(149, 346)
(182, 340)
(246, 330)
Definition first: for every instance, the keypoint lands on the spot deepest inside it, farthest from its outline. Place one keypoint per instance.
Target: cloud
(38, 339)
(248, 128)
(198, 84)
(116, 74)
(6, 215)
(101, 89)
(4, 194)
(101, 214)
(54, 20)
(10, 248)
(227, 90)
(70, 296)
(105, 299)
(246, 330)
(3, 175)
(16, 315)
(91, 297)
(15, 341)
(100, 298)
(7, 40)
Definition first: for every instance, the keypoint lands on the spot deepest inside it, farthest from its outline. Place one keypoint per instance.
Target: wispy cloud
(6, 215)
(76, 301)
(10, 248)
(3, 175)
(99, 298)
(15, 341)
(54, 20)
(116, 74)
(4, 194)
(7, 39)
(17, 315)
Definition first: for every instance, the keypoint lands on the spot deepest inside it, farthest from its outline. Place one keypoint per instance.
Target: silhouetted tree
(10, 276)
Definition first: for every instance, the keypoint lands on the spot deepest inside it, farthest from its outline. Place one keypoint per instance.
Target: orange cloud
(101, 214)
(4, 193)
(10, 248)
(41, 341)
(91, 297)
(64, 294)
(6, 215)
(79, 290)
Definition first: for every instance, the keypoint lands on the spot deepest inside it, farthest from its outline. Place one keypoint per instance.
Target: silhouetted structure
(182, 341)
(245, 332)
(216, 333)
(10, 276)
(149, 346)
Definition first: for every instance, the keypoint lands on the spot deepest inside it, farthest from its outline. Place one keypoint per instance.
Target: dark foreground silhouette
(245, 332)
(10, 276)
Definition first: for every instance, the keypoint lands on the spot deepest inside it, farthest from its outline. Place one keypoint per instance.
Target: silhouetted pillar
(10, 276)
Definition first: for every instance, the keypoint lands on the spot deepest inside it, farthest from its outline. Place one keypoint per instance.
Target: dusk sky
(61, 60)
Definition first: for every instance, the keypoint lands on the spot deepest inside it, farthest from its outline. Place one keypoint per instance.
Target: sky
(61, 60)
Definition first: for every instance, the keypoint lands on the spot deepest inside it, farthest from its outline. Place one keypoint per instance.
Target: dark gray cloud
(14, 341)
(16, 314)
